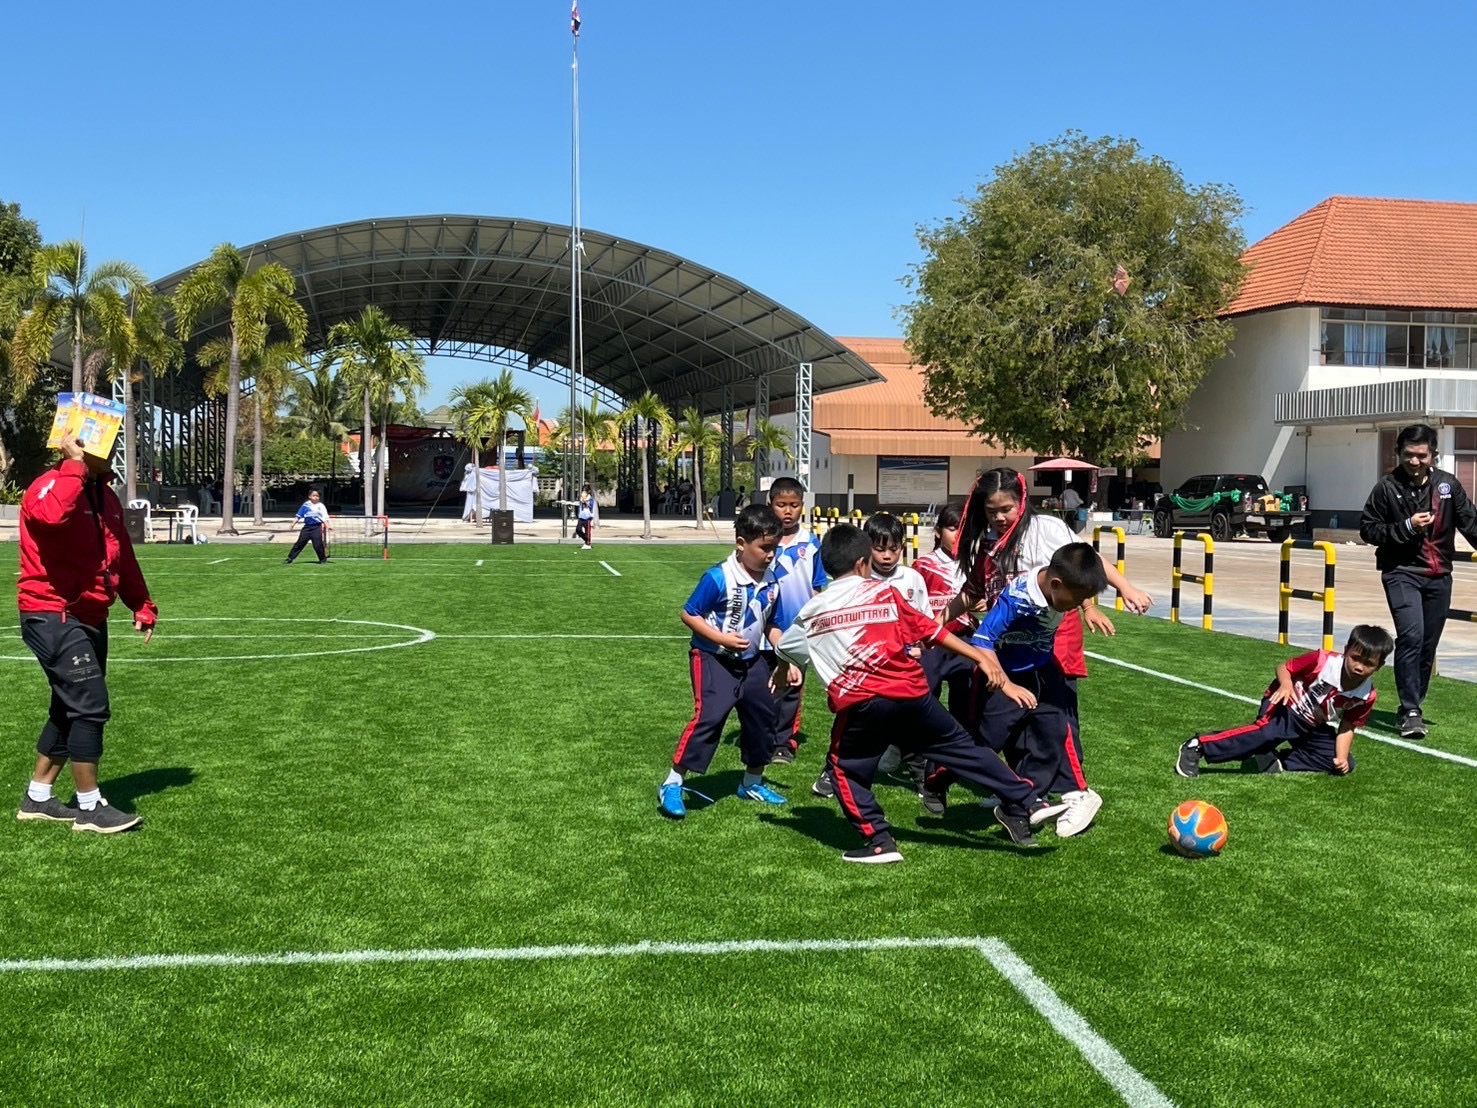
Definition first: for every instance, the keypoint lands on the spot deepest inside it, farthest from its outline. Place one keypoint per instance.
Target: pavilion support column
(725, 460)
(803, 380)
(761, 412)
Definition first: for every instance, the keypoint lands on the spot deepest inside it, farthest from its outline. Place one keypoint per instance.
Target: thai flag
(574, 18)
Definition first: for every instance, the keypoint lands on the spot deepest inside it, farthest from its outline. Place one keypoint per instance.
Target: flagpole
(575, 447)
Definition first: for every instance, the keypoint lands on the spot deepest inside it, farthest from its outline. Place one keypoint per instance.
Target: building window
(1464, 456)
(1378, 337)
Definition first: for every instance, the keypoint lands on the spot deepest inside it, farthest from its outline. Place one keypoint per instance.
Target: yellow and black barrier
(1286, 593)
(1205, 580)
(1121, 561)
(822, 519)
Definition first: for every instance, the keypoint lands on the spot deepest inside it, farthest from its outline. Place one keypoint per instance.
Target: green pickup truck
(1227, 505)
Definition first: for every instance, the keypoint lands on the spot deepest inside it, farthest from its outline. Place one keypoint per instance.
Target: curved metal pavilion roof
(499, 289)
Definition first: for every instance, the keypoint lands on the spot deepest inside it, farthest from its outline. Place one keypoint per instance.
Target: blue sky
(794, 145)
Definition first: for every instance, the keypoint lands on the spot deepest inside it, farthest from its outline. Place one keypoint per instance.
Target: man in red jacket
(76, 557)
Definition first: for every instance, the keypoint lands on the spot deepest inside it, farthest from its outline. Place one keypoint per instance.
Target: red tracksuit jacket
(76, 556)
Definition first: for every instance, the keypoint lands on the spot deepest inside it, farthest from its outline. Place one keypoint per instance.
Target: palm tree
(271, 371)
(155, 347)
(702, 438)
(767, 438)
(316, 408)
(467, 401)
(645, 410)
(254, 298)
(372, 350)
(80, 306)
(405, 373)
(482, 411)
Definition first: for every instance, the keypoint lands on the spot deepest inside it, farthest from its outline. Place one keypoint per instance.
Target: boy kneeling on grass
(857, 634)
(1315, 705)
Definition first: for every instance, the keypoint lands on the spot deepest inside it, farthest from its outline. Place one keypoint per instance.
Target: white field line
(612, 569)
(490, 635)
(479, 561)
(1388, 740)
(218, 561)
(1135, 1089)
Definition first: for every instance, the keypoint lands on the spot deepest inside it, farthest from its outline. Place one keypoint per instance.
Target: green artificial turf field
(334, 780)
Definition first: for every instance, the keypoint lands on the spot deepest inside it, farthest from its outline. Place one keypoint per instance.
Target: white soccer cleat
(1082, 809)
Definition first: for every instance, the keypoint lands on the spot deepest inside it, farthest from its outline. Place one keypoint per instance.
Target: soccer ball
(1197, 829)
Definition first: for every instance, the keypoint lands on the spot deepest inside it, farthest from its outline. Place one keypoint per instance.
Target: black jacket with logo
(1386, 526)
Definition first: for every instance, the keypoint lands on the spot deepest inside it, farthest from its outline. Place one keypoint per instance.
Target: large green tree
(25, 409)
(254, 298)
(1071, 307)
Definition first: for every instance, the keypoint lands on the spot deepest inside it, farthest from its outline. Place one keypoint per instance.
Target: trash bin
(136, 521)
(502, 528)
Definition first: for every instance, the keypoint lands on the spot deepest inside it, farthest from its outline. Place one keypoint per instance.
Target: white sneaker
(1082, 808)
(585, 547)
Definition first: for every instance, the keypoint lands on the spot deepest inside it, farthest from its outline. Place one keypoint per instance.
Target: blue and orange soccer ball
(1197, 829)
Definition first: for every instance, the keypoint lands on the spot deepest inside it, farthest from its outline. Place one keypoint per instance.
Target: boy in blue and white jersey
(1028, 717)
(729, 614)
(799, 575)
(314, 518)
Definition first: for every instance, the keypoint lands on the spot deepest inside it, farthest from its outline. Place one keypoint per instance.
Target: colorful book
(95, 420)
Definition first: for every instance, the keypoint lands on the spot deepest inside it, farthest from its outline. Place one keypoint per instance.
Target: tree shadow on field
(123, 792)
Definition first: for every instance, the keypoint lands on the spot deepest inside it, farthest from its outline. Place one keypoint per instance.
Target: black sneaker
(51, 808)
(934, 803)
(782, 757)
(879, 850)
(1018, 826)
(1188, 763)
(105, 819)
(1412, 726)
(1263, 763)
(824, 785)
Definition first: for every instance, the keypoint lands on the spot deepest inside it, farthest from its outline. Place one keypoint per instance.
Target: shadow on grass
(123, 792)
(712, 788)
(1390, 721)
(829, 828)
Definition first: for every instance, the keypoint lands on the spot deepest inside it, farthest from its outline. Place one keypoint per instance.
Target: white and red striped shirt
(856, 634)
(944, 580)
(1318, 698)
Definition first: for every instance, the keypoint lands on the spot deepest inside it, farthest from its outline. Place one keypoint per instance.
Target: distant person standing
(314, 518)
(1411, 519)
(75, 559)
(588, 513)
(469, 486)
(1071, 507)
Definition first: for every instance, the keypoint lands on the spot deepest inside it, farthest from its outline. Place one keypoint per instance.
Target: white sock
(38, 792)
(89, 800)
(673, 778)
(752, 778)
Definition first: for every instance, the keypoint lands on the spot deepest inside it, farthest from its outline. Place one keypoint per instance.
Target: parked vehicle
(1227, 505)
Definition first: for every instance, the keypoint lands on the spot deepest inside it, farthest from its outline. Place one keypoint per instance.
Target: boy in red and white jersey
(1317, 702)
(857, 635)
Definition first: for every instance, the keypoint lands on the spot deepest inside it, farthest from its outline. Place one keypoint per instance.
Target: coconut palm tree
(767, 438)
(156, 351)
(372, 349)
(316, 407)
(271, 371)
(405, 375)
(702, 438)
(482, 411)
(467, 403)
(254, 298)
(646, 410)
(85, 308)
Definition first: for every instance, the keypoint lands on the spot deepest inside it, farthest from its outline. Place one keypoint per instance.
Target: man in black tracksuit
(1411, 518)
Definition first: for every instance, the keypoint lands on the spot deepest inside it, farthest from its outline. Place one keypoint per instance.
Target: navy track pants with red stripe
(863, 731)
(719, 686)
(786, 711)
(1313, 748)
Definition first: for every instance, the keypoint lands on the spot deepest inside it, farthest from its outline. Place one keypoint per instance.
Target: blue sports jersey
(1020, 628)
(732, 601)
(798, 575)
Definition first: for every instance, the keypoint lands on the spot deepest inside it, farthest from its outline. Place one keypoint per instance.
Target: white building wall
(1229, 424)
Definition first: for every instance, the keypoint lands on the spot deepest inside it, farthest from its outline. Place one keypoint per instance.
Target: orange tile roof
(1361, 251)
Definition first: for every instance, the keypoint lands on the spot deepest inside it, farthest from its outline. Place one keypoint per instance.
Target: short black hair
(885, 530)
(1417, 434)
(1078, 567)
(757, 521)
(1371, 641)
(786, 484)
(950, 517)
(843, 547)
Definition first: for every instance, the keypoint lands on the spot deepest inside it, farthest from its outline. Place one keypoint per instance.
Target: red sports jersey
(856, 634)
(1317, 698)
(944, 579)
